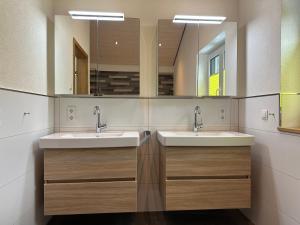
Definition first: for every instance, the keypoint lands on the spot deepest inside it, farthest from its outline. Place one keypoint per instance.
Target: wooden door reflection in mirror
(80, 71)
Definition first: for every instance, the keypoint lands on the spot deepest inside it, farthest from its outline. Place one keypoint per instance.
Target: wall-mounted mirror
(115, 57)
(197, 60)
(176, 58)
(97, 57)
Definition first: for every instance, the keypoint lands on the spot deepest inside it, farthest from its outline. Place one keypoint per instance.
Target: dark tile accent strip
(165, 85)
(114, 83)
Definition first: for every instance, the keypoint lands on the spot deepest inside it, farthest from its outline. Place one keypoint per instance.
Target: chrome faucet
(99, 126)
(197, 125)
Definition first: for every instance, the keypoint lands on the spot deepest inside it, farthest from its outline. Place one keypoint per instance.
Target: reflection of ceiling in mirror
(118, 42)
(215, 43)
(169, 37)
(212, 37)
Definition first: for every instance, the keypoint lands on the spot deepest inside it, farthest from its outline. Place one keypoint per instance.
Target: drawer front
(89, 164)
(207, 194)
(88, 198)
(207, 161)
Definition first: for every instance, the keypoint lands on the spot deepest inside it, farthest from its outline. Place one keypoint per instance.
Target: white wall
(148, 60)
(144, 113)
(259, 24)
(26, 50)
(149, 12)
(275, 166)
(185, 80)
(276, 156)
(203, 75)
(21, 160)
(65, 30)
(231, 51)
(26, 64)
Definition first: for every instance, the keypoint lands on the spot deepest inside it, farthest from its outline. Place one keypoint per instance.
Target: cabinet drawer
(87, 198)
(207, 161)
(207, 194)
(89, 164)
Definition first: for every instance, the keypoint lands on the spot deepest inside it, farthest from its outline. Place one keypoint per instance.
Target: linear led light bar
(199, 19)
(86, 15)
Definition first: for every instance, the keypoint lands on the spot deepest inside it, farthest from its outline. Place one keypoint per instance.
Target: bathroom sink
(205, 138)
(90, 140)
(90, 135)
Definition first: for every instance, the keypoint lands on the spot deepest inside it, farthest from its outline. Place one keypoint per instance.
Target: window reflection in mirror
(217, 60)
(216, 78)
(97, 57)
(197, 60)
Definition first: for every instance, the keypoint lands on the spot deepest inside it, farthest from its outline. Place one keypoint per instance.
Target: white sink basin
(214, 138)
(89, 135)
(90, 140)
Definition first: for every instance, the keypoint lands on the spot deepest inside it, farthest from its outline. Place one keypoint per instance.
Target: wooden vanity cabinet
(84, 181)
(197, 178)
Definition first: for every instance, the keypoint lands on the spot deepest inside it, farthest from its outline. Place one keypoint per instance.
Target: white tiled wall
(179, 113)
(20, 158)
(141, 114)
(276, 167)
(251, 112)
(276, 156)
(124, 114)
(14, 105)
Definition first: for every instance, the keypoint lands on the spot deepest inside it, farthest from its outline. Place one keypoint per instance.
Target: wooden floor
(227, 217)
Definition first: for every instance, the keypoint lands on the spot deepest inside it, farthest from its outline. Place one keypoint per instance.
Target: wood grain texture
(207, 161)
(289, 130)
(154, 145)
(87, 198)
(148, 169)
(80, 69)
(208, 194)
(76, 164)
(149, 198)
(162, 174)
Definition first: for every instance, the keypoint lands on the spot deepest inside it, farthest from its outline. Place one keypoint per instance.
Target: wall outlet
(71, 112)
(222, 114)
(265, 114)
